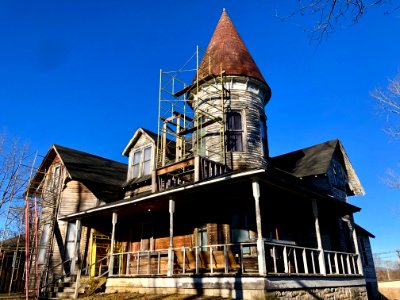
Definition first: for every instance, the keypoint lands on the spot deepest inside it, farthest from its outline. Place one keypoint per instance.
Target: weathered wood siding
(246, 96)
(60, 199)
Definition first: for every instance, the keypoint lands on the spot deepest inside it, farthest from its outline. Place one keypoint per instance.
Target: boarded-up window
(234, 132)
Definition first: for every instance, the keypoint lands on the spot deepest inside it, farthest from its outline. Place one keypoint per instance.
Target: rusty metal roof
(227, 52)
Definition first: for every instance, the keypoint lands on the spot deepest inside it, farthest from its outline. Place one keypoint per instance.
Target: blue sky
(85, 74)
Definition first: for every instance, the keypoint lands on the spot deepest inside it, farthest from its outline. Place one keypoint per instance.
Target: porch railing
(141, 263)
(239, 258)
(341, 263)
(291, 259)
(97, 269)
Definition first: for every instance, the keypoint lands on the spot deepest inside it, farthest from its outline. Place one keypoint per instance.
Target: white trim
(141, 163)
(155, 195)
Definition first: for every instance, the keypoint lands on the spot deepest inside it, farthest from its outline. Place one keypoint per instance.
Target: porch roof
(271, 176)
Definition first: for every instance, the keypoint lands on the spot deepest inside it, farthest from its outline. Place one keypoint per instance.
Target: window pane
(233, 121)
(234, 132)
(43, 243)
(147, 154)
(136, 157)
(135, 171)
(71, 232)
(70, 240)
(234, 142)
(146, 168)
(237, 122)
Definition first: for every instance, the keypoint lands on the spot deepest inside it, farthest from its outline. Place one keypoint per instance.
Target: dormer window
(141, 162)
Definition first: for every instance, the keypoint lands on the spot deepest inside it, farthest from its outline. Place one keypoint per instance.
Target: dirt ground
(133, 296)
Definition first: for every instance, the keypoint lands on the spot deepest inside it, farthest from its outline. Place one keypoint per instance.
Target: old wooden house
(202, 208)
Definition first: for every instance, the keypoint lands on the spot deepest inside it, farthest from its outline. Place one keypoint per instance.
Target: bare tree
(14, 174)
(329, 14)
(388, 100)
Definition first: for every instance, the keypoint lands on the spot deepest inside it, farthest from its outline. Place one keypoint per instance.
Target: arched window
(234, 132)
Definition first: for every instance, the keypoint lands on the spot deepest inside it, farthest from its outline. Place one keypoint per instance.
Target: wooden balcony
(189, 170)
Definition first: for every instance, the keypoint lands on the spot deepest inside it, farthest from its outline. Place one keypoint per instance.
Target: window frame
(231, 131)
(70, 235)
(141, 164)
(264, 136)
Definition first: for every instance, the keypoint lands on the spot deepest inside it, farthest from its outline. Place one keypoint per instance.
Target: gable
(319, 160)
(139, 139)
(98, 173)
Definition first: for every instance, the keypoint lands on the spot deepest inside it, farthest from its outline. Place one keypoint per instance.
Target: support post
(77, 259)
(321, 256)
(111, 262)
(171, 238)
(197, 171)
(262, 267)
(154, 181)
(355, 241)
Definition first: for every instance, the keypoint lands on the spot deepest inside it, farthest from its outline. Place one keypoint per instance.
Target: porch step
(64, 289)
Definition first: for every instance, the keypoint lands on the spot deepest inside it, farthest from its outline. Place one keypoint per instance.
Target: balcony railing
(281, 259)
(188, 170)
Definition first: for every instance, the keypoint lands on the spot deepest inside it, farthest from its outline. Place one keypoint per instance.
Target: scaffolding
(44, 194)
(191, 116)
(24, 260)
(16, 236)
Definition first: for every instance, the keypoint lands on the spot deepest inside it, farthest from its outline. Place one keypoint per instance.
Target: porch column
(262, 267)
(75, 257)
(171, 238)
(111, 263)
(355, 241)
(321, 256)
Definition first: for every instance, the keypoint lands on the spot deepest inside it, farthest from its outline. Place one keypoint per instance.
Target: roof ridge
(86, 153)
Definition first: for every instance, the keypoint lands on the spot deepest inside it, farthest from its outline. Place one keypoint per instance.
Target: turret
(229, 102)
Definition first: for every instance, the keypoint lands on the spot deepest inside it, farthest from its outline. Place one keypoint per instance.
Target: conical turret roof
(228, 52)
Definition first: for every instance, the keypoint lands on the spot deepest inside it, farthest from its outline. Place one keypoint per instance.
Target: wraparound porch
(176, 251)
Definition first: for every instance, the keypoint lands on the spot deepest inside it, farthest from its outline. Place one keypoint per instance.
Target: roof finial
(224, 10)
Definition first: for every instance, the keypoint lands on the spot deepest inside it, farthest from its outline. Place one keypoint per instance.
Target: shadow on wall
(235, 293)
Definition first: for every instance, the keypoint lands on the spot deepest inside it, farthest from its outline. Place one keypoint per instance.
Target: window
(141, 162)
(364, 256)
(202, 237)
(43, 243)
(70, 241)
(264, 138)
(234, 132)
(147, 241)
(55, 176)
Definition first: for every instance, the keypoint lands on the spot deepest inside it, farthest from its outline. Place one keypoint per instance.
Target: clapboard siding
(62, 199)
(246, 96)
